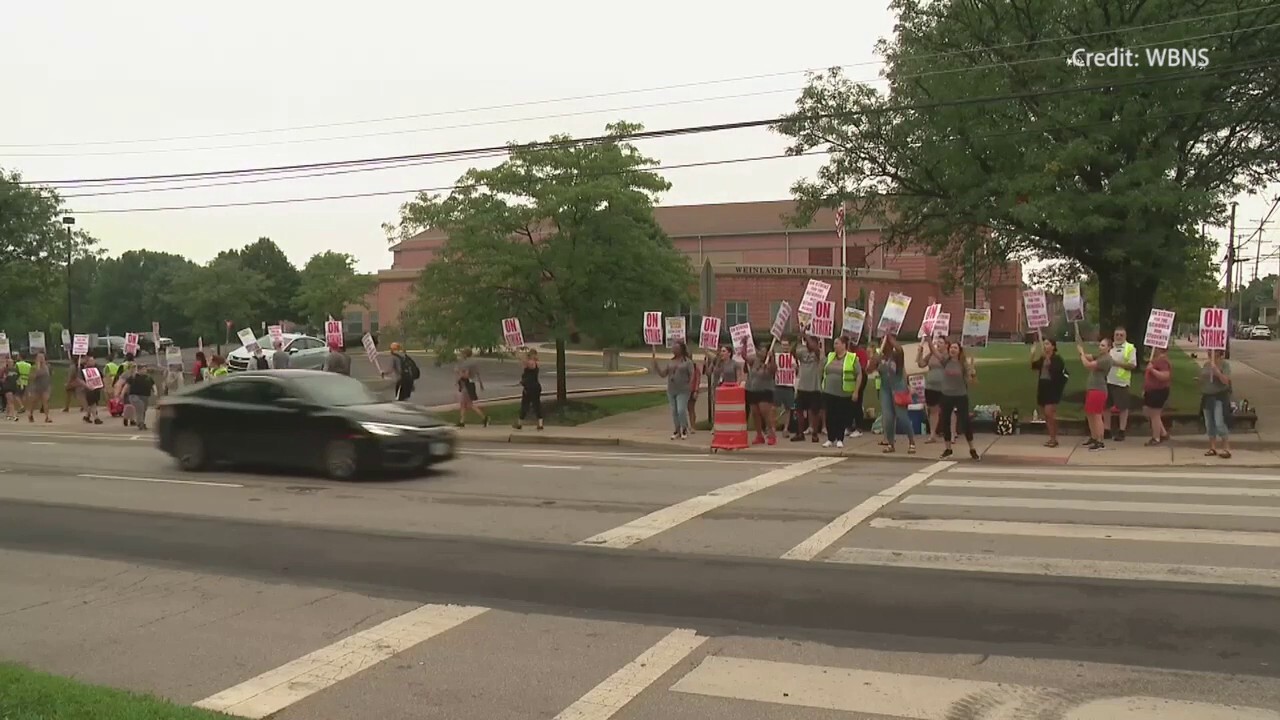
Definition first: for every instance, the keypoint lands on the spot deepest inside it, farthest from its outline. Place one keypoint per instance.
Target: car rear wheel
(340, 460)
(189, 450)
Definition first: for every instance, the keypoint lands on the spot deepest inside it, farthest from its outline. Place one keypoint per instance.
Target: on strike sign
(824, 319)
(710, 336)
(785, 374)
(512, 335)
(1159, 328)
(1213, 329)
(653, 328)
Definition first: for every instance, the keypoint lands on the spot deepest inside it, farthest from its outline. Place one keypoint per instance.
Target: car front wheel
(341, 461)
(189, 450)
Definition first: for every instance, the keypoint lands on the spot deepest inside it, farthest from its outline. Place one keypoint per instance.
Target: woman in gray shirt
(679, 374)
(931, 355)
(956, 372)
(1215, 402)
(760, 387)
(1095, 389)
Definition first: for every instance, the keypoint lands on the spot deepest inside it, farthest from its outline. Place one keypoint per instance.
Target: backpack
(408, 368)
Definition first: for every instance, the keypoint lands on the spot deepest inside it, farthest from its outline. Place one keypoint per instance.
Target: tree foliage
(220, 291)
(561, 235)
(987, 135)
(281, 279)
(328, 285)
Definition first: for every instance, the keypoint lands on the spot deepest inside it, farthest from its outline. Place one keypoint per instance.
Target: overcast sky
(83, 73)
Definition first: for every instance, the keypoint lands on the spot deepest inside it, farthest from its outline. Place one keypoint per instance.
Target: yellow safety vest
(218, 371)
(24, 373)
(849, 382)
(1128, 352)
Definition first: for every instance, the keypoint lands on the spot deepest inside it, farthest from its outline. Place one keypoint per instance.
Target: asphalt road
(1261, 355)
(562, 582)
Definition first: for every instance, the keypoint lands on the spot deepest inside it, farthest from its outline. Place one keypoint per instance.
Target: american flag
(840, 221)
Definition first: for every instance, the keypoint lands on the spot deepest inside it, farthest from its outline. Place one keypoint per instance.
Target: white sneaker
(855, 434)
(826, 444)
(839, 443)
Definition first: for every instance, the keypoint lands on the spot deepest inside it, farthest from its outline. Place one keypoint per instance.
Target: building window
(857, 257)
(353, 323)
(735, 312)
(773, 314)
(822, 257)
(373, 322)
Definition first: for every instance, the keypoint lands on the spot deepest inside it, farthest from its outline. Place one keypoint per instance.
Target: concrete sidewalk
(1248, 383)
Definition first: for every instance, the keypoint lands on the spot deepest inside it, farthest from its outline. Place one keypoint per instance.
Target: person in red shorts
(1095, 389)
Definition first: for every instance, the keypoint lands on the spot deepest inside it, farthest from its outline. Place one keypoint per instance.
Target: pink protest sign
(709, 339)
(814, 292)
(512, 335)
(824, 322)
(653, 328)
(785, 374)
(1159, 329)
(92, 378)
(780, 322)
(930, 318)
(1037, 309)
(131, 343)
(333, 332)
(1213, 329)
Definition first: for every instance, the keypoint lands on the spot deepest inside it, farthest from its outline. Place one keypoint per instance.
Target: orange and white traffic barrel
(730, 429)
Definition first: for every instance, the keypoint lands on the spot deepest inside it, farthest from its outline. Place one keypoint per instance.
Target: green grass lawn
(1005, 378)
(29, 695)
(575, 412)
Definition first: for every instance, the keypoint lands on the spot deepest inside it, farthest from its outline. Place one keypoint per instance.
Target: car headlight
(385, 429)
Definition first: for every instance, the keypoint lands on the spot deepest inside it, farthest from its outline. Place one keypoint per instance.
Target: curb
(593, 392)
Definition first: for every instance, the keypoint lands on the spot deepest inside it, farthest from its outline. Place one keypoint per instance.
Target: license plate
(439, 448)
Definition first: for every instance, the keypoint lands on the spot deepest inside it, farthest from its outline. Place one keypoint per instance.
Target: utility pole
(1231, 261)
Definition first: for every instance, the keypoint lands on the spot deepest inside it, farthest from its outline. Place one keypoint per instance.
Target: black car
(301, 419)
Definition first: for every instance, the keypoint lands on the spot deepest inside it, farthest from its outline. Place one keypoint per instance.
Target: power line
(616, 93)
(134, 191)
(579, 113)
(687, 130)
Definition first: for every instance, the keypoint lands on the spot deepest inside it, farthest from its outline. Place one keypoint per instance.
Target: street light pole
(1231, 261)
(69, 222)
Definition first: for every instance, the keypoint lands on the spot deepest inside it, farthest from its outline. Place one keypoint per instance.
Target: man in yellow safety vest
(1124, 359)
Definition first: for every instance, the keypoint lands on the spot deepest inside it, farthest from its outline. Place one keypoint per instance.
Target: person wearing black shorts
(92, 396)
(1051, 374)
(760, 387)
(810, 359)
(1156, 381)
(932, 355)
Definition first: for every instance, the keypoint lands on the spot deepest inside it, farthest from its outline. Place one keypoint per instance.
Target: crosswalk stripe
(1108, 487)
(611, 695)
(1060, 567)
(1085, 532)
(1262, 511)
(1089, 472)
(927, 697)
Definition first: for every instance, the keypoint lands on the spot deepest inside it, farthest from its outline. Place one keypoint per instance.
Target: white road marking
(659, 521)
(1108, 487)
(1085, 532)
(644, 457)
(1095, 505)
(606, 699)
(277, 689)
(42, 443)
(923, 697)
(554, 467)
(1060, 567)
(167, 481)
(838, 528)
(134, 437)
(1091, 473)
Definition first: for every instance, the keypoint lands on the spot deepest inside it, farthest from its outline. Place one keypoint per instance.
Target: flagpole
(844, 259)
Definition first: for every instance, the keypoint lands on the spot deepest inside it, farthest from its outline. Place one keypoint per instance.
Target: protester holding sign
(809, 387)
(1095, 389)
(1215, 402)
(932, 355)
(530, 390)
(679, 374)
(841, 386)
(91, 379)
(894, 395)
(957, 373)
(1124, 360)
(760, 387)
(39, 385)
(784, 392)
(1051, 374)
(1157, 379)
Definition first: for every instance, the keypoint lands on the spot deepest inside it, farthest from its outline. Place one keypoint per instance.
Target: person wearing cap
(337, 361)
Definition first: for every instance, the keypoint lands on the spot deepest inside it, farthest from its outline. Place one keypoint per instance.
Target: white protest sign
(785, 374)
(276, 333)
(92, 378)
(1159, 329)
(709, 339)
(248, 340)
(512, 333)
(824, 321)
(814, 292)
(977, 327)
(780, 322)
(4, 345)
(80, 345)
(942, 325)
(676, 330)
(742, 333)
(173, 356)
(1213, 329)
(66, 338)
(653, 328)
(35, 339)
(1037, 309)
(930, 318)
(1072, 303)
(854, 322)
(155, 335)
(371, 351)
(894, 314)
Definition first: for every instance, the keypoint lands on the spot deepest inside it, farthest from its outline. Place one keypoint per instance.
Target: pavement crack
(322, 598)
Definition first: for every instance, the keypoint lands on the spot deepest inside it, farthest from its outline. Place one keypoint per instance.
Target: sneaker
(826, 444)
(839, 443)
(684, 435)
(1097, 446)
(1106, 434)
(1088, 441)
(758, 441)
(797, 438)
(97, 421)
(675, 436)
(814, 438)
(946, 454)
(973, 453)
(855, 434)
(773, 440)
(486, 421)
(1119, 436)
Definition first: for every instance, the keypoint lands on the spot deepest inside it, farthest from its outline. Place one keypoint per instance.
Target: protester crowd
(826, 400)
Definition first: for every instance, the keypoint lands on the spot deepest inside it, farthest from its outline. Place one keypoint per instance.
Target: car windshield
(333, 390)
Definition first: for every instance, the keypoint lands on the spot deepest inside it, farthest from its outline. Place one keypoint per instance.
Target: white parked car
(306, 353)
(1260, 332)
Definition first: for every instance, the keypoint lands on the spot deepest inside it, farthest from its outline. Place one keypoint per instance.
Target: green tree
(987, 137)
(1258, 291)
(329, 284)
(281, 277)
(138, 288)
(220, 291)
(560, 235)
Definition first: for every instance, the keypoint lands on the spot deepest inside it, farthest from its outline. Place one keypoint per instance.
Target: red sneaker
(772, 440)
(758, 441)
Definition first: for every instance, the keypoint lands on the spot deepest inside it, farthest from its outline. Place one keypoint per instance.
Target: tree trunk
(562, 383)
(1124, 302)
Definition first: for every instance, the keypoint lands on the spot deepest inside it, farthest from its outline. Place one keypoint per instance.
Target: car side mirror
(292, 350)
